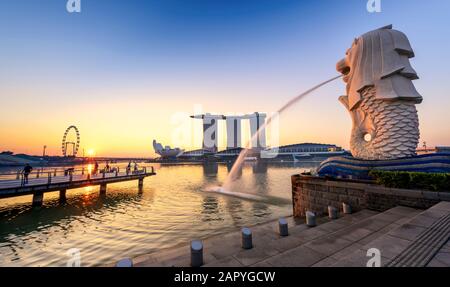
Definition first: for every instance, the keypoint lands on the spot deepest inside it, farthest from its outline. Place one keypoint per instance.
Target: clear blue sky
(140, 61)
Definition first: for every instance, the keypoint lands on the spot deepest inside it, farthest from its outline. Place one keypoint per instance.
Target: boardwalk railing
(69, 172)
(46, 182)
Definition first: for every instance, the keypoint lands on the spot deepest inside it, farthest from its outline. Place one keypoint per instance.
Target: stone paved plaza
(404, 236)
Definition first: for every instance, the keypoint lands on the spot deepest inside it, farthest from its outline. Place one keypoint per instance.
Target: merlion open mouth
(344, 69)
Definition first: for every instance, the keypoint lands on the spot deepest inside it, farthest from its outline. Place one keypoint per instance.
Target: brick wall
(316, 194)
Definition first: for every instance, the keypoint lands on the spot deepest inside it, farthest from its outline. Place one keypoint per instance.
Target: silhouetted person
(26, 172)
(128, 167)
(135, 167)
(96, 167)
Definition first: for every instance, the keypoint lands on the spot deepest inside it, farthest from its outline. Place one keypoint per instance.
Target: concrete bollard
(332, 212)
(196, 253)
(283, 227)
(310, 219)
(346, 208)
(247, 241)
(127, 262)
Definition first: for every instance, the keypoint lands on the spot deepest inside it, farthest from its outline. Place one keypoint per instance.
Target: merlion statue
(381, 100)
(381, 97)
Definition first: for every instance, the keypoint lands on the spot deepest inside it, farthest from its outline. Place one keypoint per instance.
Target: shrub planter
(312, 193)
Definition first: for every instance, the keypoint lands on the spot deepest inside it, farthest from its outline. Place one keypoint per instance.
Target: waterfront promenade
(404, 236)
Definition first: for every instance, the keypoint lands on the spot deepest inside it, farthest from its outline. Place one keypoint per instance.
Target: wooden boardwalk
(48, 183)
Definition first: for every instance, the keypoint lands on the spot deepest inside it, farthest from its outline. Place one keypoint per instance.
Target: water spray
(238, 163)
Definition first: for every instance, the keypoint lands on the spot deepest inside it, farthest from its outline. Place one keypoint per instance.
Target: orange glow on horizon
(318, 118)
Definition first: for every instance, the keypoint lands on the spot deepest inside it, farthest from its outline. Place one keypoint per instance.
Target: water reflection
(238, 170)
(172, 209)
(233, 206)
(210, 168)
(259, 167)
(210, 210)
(260, 210)
(22, 219)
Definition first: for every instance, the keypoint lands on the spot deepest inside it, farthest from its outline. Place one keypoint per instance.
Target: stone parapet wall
(315, 194)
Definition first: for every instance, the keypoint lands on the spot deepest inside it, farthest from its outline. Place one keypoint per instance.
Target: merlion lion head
(381, 97)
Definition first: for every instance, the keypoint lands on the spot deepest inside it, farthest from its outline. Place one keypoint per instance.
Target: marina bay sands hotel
(234, 128)
(210, 146)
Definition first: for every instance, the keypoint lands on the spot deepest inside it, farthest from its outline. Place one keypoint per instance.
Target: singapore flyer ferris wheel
(75, 144)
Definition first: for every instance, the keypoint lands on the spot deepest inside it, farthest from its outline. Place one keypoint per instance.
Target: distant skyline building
(210, 135)
(257, 123)
(234, 130)
(167, 151)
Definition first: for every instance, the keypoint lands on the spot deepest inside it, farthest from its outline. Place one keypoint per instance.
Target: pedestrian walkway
(341, 242)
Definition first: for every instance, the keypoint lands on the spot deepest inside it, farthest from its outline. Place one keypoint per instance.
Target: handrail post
(37, 174)
(82, 171)
(18, 175)
(70, 176)
(54, 173)
(49, 178)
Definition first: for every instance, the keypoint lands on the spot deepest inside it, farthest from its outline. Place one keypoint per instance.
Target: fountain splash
(240, 160)
(273, 200)
(222, 190)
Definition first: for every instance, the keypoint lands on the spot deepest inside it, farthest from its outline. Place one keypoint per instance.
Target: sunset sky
(124, 72)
